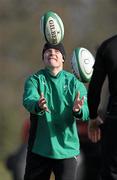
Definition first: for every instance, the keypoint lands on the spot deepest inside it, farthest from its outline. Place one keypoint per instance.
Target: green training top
(56, 133)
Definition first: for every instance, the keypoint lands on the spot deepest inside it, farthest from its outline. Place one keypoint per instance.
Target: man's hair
(59, 47)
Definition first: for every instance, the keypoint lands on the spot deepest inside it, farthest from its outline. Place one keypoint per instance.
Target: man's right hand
(94, 132)
(42, 103)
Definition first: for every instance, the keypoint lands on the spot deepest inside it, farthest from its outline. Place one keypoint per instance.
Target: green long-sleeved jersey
(55, 133)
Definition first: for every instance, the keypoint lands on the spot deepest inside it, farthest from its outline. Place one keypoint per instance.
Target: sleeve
(96, 83)
(83, 114)
(31, 96)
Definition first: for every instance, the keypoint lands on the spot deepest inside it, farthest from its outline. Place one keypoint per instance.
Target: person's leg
(37, 167)
(91, 161)
(109, 150)
(81, 168)
(65, 169)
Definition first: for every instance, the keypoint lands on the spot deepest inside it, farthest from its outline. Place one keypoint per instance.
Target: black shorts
(40, 168)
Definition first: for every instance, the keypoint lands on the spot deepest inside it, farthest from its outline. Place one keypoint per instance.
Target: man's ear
(63, 60)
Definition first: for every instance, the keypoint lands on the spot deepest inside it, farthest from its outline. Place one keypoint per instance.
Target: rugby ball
(52, 27)
(82, 62)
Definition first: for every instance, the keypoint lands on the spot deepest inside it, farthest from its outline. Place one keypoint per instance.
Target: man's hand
(78, 103)
(94, 132)
(42, 103)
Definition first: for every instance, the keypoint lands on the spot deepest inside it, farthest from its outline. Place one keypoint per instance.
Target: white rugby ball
(52, 27)
(82, 62)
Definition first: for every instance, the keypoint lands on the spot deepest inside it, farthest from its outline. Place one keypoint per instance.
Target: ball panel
(52, 31)
(53, 28)
(83, 77)
(83, 66)
(86, 62)
(61, 25)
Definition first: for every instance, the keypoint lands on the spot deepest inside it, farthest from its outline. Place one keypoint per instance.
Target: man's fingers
(78, 103)
(42, 95)
(94, 135)
(42, 100)
(82, 100)
(78, 96)
(47, 110)
(42, 103)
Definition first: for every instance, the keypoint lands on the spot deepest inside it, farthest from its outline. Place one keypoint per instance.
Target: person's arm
(96, 83)
(80, 108)
(94, 95)
(94, 92)
(31, 96)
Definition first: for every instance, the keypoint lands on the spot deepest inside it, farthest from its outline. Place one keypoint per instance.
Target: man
(54, 97)
(105, 65)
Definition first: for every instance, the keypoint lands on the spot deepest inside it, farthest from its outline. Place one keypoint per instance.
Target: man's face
(53, 58)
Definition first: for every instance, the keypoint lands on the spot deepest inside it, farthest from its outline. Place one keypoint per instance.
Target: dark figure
(106, 131)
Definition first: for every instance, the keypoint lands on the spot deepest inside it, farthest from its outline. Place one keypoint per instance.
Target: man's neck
(55, 71)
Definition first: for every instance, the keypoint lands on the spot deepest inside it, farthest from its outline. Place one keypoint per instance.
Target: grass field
(5, 174)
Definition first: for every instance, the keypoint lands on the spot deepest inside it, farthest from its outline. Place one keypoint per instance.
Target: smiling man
(54, 99)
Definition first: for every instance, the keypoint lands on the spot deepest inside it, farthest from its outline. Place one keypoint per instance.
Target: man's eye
(57, 51)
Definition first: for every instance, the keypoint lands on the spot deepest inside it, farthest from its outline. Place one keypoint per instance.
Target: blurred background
(87, 23)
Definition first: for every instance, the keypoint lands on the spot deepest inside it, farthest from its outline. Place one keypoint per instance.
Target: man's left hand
(78, 103)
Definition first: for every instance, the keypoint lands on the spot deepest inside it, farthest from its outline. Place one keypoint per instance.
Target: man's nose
(52, 52)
